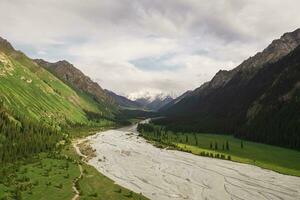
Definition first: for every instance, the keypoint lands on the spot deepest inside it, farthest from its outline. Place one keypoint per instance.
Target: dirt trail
(77, 196)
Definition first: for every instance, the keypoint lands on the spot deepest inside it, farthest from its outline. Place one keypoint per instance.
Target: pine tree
(227, 145)
(216, 146)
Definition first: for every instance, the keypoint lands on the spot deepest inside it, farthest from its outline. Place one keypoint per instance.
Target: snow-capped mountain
(152, 101)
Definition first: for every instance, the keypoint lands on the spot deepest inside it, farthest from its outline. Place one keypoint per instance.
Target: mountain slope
(123, 101)
(175, 101)
(78, 81)
(154, 102)
(223, 104)
(158, 103)
(274, 116)
(29, 90)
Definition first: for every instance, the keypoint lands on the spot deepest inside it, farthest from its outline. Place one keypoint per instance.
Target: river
(161, 174)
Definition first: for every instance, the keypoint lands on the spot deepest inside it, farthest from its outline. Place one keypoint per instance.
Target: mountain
(124, 102)
(158, 103)
(37, 108)
(154, 102)
(27, 89)
(253, 96)
(175, 101)
(77, 80)
(142, 102)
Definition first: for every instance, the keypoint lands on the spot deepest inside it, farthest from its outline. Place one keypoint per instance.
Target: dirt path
(76, 196)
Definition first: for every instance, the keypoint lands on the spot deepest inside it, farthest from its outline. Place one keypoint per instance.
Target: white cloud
(187, 40)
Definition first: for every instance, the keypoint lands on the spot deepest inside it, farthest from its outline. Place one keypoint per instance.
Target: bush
(130, 195)
(119, 190)
(60, 186)
(94, 194)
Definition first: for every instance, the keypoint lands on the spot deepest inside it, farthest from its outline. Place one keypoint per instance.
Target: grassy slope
(278, 159)
(28, 89)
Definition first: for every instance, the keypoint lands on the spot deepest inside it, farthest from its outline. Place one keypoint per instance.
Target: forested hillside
(21, 137)
(258, 100)
(36, 107)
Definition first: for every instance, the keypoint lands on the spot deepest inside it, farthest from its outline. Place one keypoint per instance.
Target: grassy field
(41, 179)
(278, 159)
(48, 177)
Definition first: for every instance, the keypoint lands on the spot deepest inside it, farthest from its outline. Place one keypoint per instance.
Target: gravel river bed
(161, 174)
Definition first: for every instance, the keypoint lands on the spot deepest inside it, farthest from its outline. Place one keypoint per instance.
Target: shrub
(94, 194)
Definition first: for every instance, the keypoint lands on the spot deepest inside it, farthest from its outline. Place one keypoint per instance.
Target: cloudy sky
(138, 46)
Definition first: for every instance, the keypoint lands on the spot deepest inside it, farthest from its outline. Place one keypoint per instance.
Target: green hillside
(30, 90)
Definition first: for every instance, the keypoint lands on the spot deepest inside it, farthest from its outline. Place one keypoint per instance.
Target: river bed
(161, 174)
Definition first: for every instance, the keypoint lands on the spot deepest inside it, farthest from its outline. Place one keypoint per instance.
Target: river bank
(135, 164)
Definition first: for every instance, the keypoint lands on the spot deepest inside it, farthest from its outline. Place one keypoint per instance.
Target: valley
(225, 147)
(158, 173)
(160, 100)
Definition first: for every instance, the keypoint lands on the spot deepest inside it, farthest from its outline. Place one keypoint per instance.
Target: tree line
(20, 137)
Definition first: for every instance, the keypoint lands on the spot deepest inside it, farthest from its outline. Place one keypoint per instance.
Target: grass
(94, 185)
(84, 131)
(51, 176)
(285, 161)
(30, 90)
(48, 177)
(44, 178)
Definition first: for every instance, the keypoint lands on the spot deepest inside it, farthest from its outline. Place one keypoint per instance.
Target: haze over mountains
(153, 102)
(258, 100)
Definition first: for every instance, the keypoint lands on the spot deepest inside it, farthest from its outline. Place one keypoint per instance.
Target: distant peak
(63, 62)
(149, 95)
(291, 34)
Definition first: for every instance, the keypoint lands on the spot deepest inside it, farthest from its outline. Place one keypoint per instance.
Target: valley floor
(60, 176)
(157, 173)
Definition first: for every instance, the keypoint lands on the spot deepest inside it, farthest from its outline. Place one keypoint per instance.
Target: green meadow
(44, 177)
(51, 176)
(285, 161)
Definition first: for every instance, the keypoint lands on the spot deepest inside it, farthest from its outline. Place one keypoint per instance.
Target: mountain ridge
(276, 50)
(28, 89)
(76, 78)
(224, 104)
(122, 101)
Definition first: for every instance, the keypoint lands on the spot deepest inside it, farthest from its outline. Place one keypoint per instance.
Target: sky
(145, 47)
